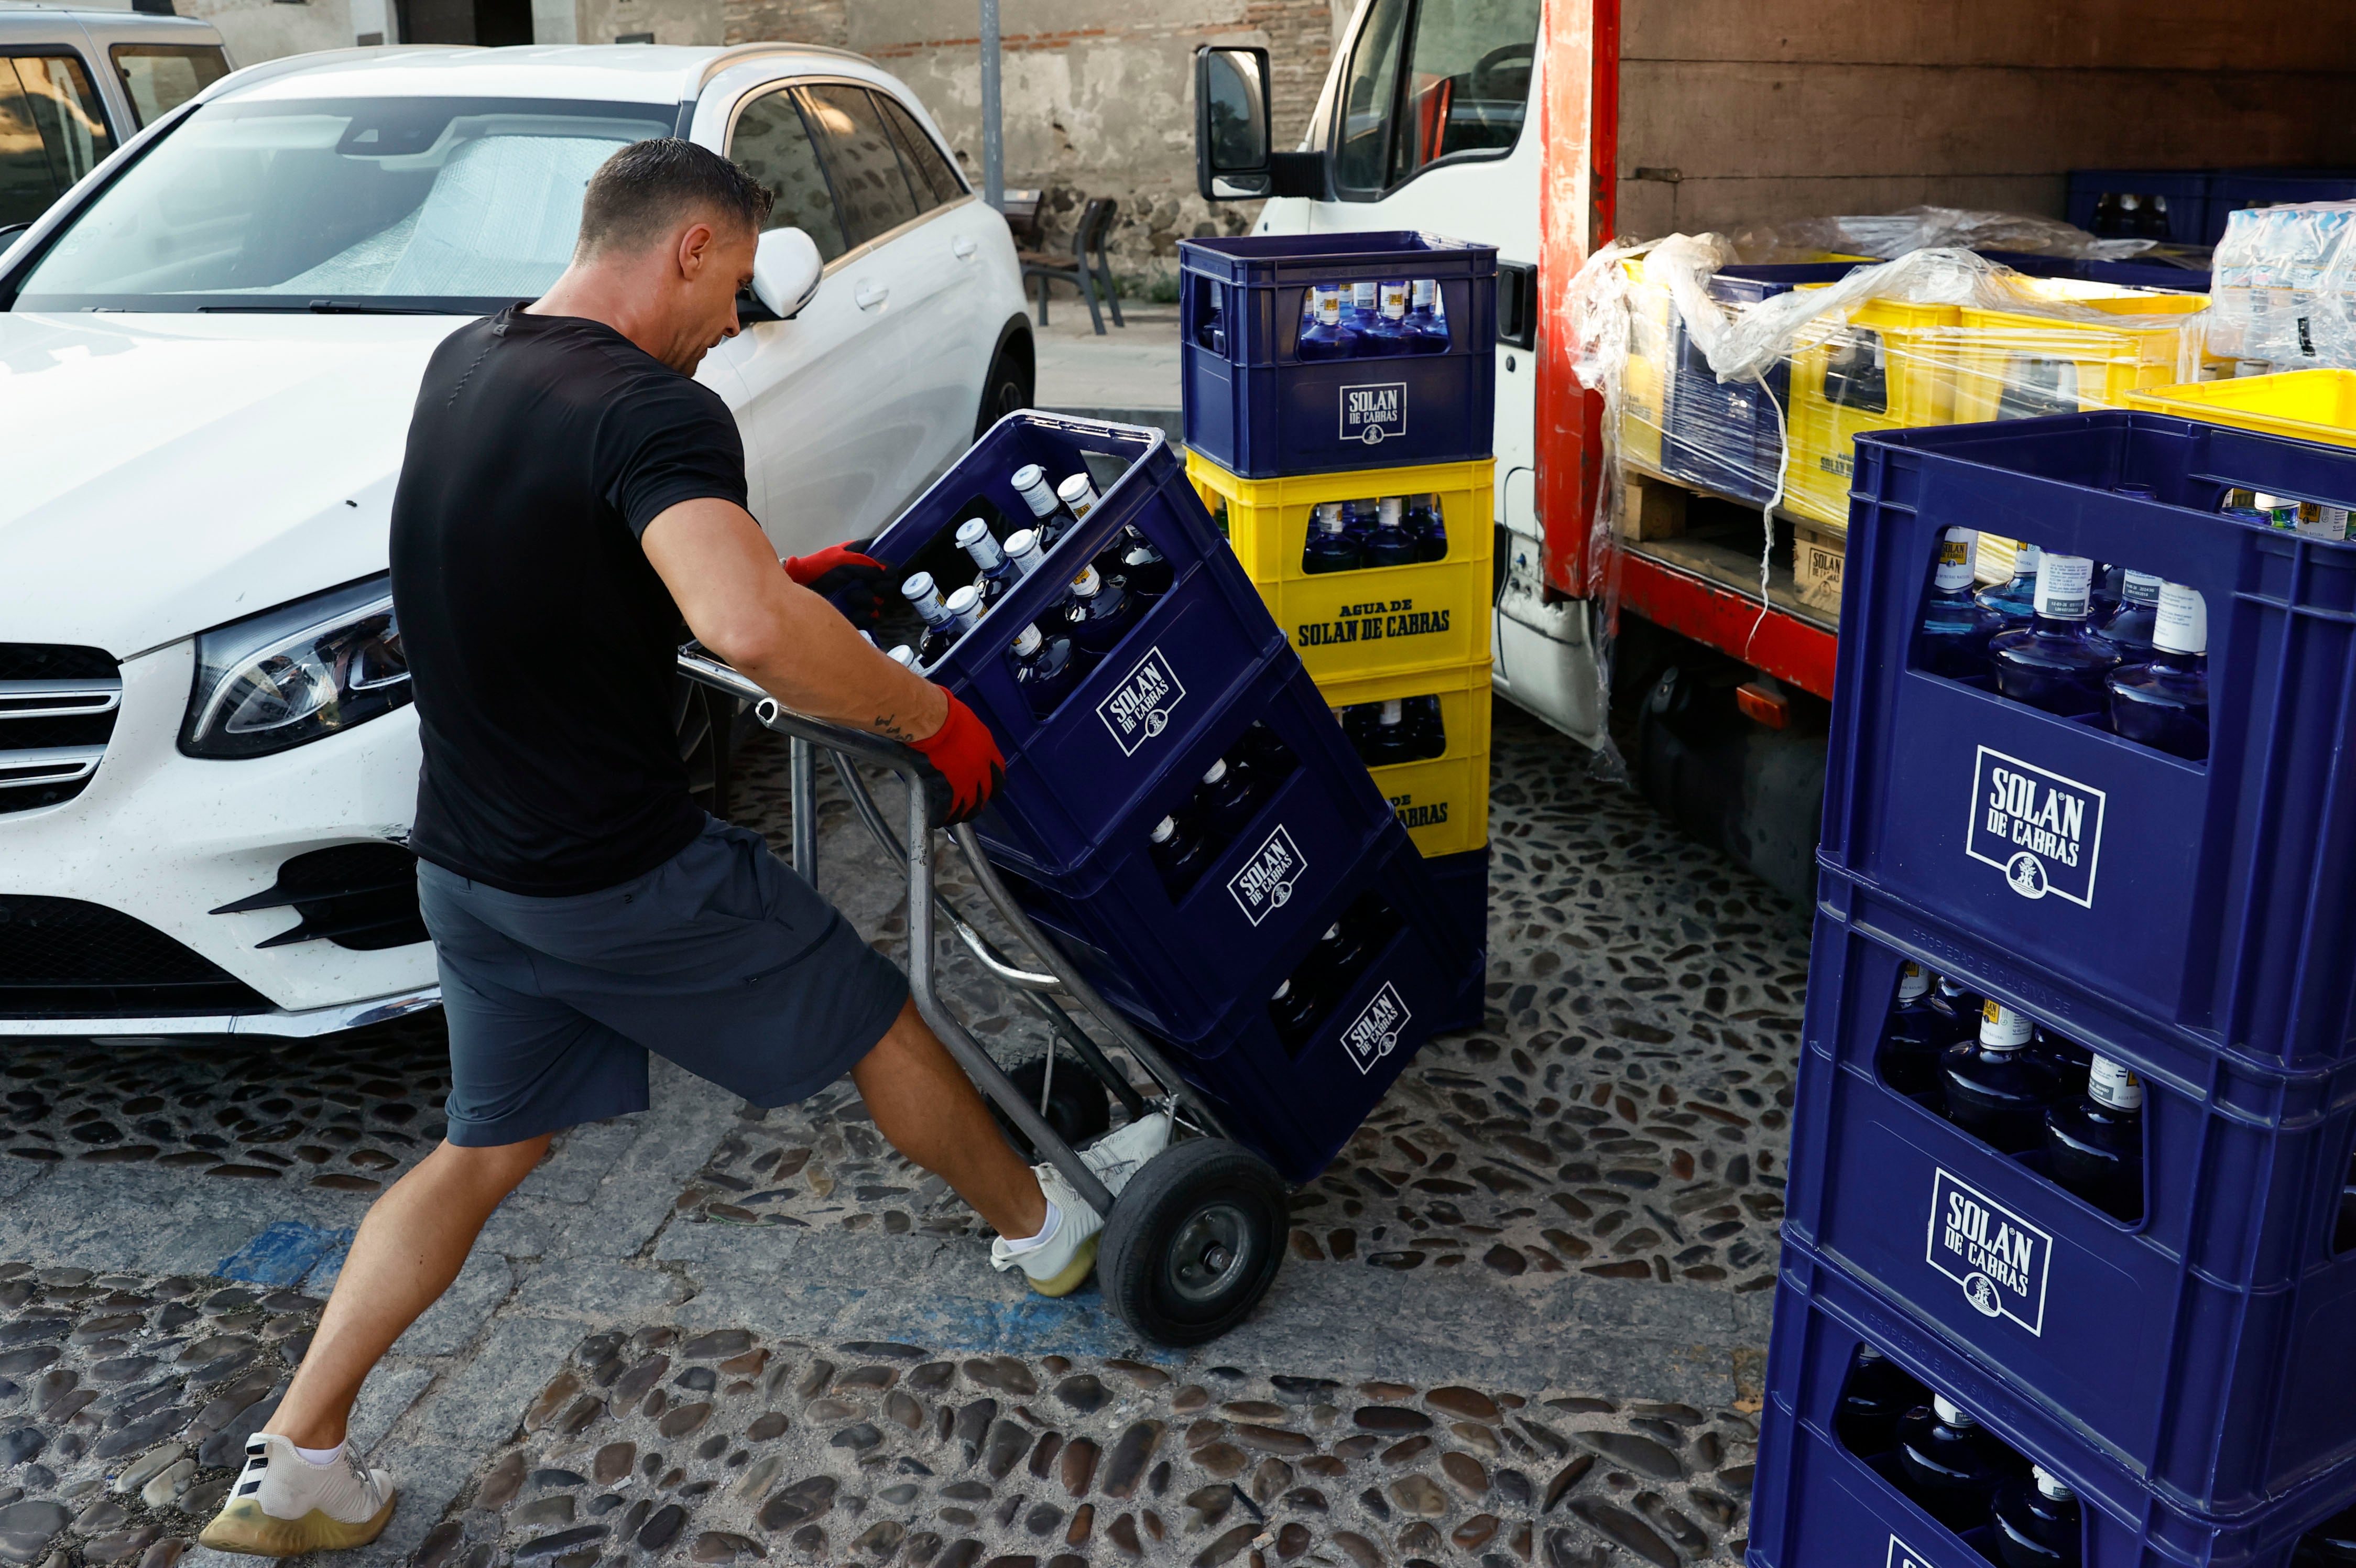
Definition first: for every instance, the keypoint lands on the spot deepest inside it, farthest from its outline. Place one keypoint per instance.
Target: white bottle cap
(1330, 518)
(1959, 553)
(1912, 983)
(1333, 933)
(1394, 297)
(1329, 306)
(1283, 990)
(2062, 586)
(870, 640)
(1216, 771)
(974, 538)
(2108, 1083)
(1026, 642)
(2140, 588)
(2181, 625)
(1031, 480)
(1086, 583)
(904, 656)
(1424, 289)
(2052, 1484)
(969, 531)
(918, 588)
(1164, 829)
(964, 604)
(2001, 1028)
(1393, 711)
(1867, 1353)
(1076, 489)
(1023, 549)
(1389, 510)
(1949, 1413)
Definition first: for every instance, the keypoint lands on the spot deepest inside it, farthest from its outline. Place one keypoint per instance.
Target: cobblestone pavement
(343, 1113)
(1521, 1323)
(720, 1446)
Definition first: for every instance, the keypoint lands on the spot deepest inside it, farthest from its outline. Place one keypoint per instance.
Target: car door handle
(870, 295)
(964, 247)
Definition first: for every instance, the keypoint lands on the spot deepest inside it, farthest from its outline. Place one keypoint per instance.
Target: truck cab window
(51, 132)
(1463, 91)
(159, 78)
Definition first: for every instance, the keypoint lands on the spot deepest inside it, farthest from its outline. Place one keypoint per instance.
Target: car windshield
(454, 205)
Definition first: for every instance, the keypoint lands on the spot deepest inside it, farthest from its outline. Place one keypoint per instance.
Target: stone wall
(257, 30)
(1098, 97)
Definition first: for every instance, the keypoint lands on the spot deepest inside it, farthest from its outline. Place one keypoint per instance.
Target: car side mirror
(787, 269)
(1232, 137)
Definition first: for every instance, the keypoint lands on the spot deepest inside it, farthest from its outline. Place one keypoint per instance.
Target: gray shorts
(720, 959)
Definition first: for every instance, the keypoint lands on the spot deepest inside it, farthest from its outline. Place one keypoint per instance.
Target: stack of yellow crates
(1409, 632)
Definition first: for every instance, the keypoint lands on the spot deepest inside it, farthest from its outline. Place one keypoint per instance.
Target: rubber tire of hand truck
(1193, 1242)
(1079, 1110)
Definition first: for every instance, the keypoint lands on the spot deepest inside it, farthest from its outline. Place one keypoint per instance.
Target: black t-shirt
(541, 642)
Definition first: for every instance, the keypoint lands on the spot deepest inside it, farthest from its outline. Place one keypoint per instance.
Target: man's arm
(740, 604)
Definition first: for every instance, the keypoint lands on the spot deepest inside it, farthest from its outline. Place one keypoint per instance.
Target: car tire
(703, 721)
(1009, 387)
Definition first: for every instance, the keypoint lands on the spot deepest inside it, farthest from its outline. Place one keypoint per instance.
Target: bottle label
(1425, 288)
(1329, 307)
(2025, 557)
(1139, 708)
(1959, 553)
(1997, 1256)
(1912, 983)
(2315, 521)
(2064, 586)
(1394, 301)
(2108, 1083)
(1374, 413)
(2140, 588)
(1362, 296)
(2182, 626)
(2003, 1029)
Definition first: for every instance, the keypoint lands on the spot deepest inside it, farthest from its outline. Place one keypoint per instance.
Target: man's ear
(696, 242)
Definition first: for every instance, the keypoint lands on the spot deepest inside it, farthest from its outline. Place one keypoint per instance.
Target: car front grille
(61, 958)
(58, 704)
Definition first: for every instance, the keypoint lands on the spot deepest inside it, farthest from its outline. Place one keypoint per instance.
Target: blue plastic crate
(2187, 191)
(1462, 881)
(2129, 274)
(2212, 897)
(2238, 187)
(1262, 413)
(2205, 1347)
(1179, 963)
(1203, 646)
(1730, 437)
(1814, 1503)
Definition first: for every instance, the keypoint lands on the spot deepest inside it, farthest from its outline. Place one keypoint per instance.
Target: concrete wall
(257, 30)
(1098, 95)
(1734, 111)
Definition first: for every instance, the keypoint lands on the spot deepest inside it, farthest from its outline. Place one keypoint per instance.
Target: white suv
(207, 353)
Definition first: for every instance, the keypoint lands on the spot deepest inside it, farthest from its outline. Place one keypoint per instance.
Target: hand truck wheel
(1078, 1109)
(1193, 1242)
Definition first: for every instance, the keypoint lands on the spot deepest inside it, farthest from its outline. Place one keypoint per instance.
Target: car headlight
(294, 674)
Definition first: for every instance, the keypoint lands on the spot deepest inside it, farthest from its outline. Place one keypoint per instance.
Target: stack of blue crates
(2200, 201)
(2191, 1373)
(1086, 782)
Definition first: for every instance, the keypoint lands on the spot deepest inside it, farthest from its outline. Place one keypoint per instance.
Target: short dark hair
(638, 195)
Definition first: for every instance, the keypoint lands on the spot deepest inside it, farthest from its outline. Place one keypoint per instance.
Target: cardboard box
(1816, 558)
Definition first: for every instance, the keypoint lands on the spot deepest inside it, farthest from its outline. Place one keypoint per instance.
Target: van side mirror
(1232, 138)
(786, 268)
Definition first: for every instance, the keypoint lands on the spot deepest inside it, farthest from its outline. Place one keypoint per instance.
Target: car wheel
(700, 719)
(1009, 387)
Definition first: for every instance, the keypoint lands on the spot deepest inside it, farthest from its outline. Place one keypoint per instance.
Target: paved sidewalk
(1130, 373)
(1523, 1319)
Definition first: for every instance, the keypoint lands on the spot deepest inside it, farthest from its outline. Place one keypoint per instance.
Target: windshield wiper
(328, 307)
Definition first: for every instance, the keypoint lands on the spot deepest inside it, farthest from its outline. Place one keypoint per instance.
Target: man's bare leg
(411, 1246)
(923, 1102)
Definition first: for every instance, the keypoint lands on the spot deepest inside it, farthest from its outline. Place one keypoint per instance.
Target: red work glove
(965, 766)
(845, 579)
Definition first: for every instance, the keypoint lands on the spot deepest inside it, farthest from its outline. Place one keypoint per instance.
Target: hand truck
(1193, 1237)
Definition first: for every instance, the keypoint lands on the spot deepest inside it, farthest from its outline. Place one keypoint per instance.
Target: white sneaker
(1057, 1265)
(1119, 1156)
(283, 1505)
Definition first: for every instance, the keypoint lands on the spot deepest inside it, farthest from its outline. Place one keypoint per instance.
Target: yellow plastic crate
(1443, 801)
(1644, 384)
(2309, 405)
(1383, 621)
(2017, 365)
(1881, 370)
